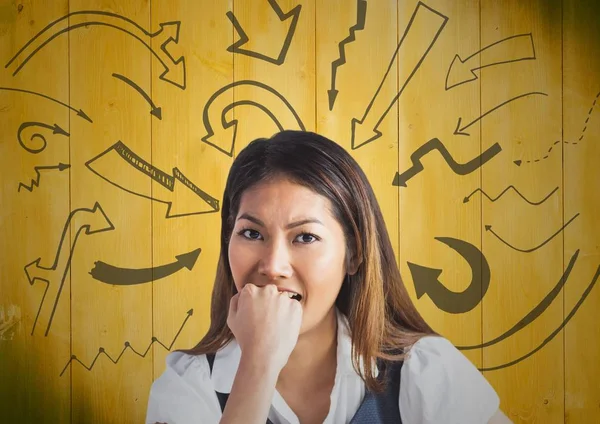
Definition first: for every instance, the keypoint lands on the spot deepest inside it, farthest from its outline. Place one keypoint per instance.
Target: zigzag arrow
(36, 181)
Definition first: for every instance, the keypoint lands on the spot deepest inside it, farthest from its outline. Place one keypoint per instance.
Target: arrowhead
(423, 278)
(63, 166)
(458, 130)
(175, 73)
(399, 180)
(223, 139)
(188, 199)
(459, 73)
(517, 162)
(188, 259)
(190, 312)
(170, 30)
(332, 96)
(362, 134)
(157, 112)
(83, 115)
(465, 200)
(488, 227)
(59, 130)
(35, 264)
(99, 221)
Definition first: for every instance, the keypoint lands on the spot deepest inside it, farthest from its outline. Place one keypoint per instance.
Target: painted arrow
(121, 167)
(272, 103)
(111, 274)
(422, 31)
(174, 72)
(37, 135)
(426, 280)
(489, 228)
(511, 49)
(466, 199)
(36, 182)
(155, 111)
(461, 130)
(458, 168)
(534, 313)
(127, 346)
(79, 112)
(236, 47)
(92, 221)
(361, 12)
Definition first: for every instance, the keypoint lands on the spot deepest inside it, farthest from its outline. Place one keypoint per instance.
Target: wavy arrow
(246, 90)
(436, 144)
(236, 47)
(573, 143)
(92, 221)
(461, 130)
(511, 49)
(361, 15)
(120, 166)
(534, 313)
(426, 280)
(421, 33)
(111, 274)
(79, 112)
(174, 72)
(489, 228)
(127, 345)
(25, 125)
(156, 111)
(36, 182)
(466, 199)
(555, 332)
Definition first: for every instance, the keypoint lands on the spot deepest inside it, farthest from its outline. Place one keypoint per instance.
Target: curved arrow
(111, 274)
(37, 169)
(466, 199)
(102, 351)
(86, 18)
(422, 31)
(55, 130)
(461, 130)
(286, 117)
(92, 221)
(361, 12)
(119, 166)
(426, 280)
(236, 47)
(489, 228)
(555, 332)
(156, 111)
(458, 168)
(534, 313)
(508, 50)
(79, 112)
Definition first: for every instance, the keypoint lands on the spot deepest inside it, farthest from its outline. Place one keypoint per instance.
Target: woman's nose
(275, 263)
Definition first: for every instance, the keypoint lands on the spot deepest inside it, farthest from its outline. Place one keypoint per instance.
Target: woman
(307, 293)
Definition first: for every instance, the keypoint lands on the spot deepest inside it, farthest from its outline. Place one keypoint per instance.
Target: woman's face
(285, 234)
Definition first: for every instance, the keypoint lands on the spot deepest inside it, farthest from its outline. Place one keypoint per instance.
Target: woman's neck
(314, 359)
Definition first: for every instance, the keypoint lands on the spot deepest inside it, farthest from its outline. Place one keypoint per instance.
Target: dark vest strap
(376, 408)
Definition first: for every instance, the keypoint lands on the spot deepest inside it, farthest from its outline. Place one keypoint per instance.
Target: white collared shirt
(438, 384)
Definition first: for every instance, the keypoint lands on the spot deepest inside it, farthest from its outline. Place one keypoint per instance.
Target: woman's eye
(250, 234)
(306, 238)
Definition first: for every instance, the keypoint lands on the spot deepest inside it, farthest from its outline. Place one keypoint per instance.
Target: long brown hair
(381, 316)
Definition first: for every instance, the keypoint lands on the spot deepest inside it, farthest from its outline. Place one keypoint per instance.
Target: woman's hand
(265, 323)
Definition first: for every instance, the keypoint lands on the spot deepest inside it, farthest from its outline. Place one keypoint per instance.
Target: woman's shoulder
(440, 384)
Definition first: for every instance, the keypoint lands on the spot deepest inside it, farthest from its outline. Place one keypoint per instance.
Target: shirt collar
(227, 359)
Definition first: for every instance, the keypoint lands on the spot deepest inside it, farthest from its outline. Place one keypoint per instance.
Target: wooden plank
(437, 227)
(525, 260)
(581, 122)
(112, 316)
(358, 39)
(275, 66)
(35, 206)
(177, 143)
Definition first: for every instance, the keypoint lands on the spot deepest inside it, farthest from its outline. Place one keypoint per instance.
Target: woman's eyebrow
(290, 225)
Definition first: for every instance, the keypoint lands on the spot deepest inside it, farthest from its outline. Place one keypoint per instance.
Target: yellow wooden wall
(119, 121)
